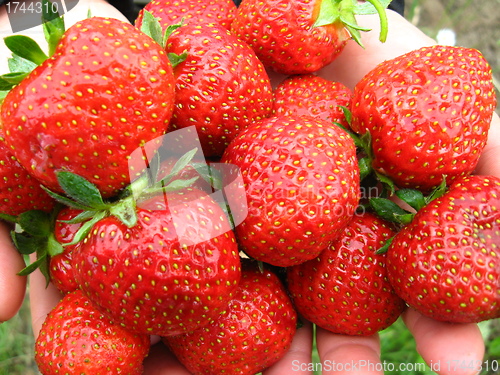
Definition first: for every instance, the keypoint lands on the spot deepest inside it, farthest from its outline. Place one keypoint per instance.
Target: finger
(347, 355)
(488, 162)
(298, 357)
(449, 349)
(12, 286)
(161, 361)
(42, 300)
(355, 61)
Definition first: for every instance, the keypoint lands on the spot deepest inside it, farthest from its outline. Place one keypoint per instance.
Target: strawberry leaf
(151, 27)
(389, 210)
(437, 192)
(386, 246)
(18, 64)
(26, 244)
(35, 222)
(176, 59)
(14, 78)
(33, 266)
(368, 8)
(65, 200)
(53, 25)
(414, 198)
(26, 48)
(81, 190)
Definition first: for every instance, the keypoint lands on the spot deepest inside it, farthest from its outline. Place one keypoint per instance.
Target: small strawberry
(198, 12)
(312, 95)
(221, 87)
(171, 272)
(19, 191)
(446, 262)
(428, 113)
(254, 331)
(77, 339)
(301, 36)
(346, 289)
(302, 184)
(61, 269)
(107, 89)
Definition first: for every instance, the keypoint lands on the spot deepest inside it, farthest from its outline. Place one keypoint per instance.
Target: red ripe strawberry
(19, 191)
(107, 90)
(302, 185)
(311, 95)
(253, 332)
(61, 268)
(76, 339)
(299, 36)
(170, 273)
(346, 289)
(428, 113)
(221, 87)
(190, 11)
(446, 262)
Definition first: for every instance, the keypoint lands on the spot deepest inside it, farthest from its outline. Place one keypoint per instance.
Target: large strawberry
(169, 273)
(300, 36)
(107, 89)
(19, 191)
(77, 339)
(189, 11)
(254, 331)
(308, 94)
(302, 185)
(446, 262)
(346, 289)
(221, 87)
(428, 113)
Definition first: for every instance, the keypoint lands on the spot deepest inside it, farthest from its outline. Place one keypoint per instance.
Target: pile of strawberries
(167, 189)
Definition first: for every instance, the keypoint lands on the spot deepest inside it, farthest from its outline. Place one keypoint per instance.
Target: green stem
(384, 24)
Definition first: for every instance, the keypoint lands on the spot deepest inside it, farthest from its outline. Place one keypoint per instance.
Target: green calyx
(34, 230)
(345, 11)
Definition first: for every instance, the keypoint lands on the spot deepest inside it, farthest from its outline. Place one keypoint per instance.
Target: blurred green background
(474, 24)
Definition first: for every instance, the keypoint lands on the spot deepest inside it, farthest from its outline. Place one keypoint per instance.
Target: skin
(437, 342)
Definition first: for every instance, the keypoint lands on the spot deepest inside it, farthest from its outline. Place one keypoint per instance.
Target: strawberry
(311, 95)
(302, 185)
(428, 113)
(170, 272)
(221, 87)
(346, 289)
(189, 11)
(61, 269)
(254, 331)
(77, 339)
(107, 89)
(445, 262)
(19, 191)
(301, 36)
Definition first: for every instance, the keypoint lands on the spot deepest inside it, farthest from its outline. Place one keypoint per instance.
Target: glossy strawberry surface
(446, 262)
(428, 113)
(302, 187)
(171, 12)
(221, 87)
(170, 273)
(254, 331)
(346, 289)
(77, 339)
(19, 190)
(106, 91)
(282, 34)
(308, 94)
